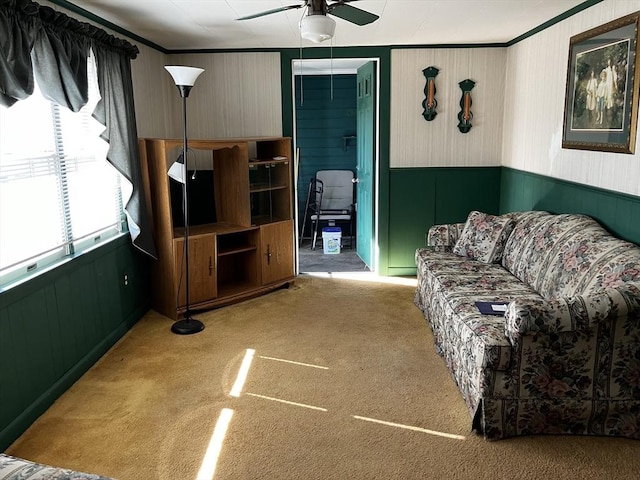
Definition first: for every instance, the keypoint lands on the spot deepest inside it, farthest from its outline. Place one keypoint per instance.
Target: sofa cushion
(569, 254)
(452, 284)
(484, 236)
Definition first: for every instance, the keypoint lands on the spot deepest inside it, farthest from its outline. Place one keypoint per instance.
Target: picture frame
(601, 100)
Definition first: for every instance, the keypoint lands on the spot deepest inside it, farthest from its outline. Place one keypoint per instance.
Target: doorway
(327, 124)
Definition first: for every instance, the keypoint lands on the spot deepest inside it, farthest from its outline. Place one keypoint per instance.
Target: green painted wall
(617, 212)
(422, 197)
(325, 114)
(54, 327)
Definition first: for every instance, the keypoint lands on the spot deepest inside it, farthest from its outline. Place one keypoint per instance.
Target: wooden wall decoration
(465, 116)
(429, 103)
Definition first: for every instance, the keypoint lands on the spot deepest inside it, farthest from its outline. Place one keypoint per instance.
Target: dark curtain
(116, 111)
(37, 40)
(18, 27)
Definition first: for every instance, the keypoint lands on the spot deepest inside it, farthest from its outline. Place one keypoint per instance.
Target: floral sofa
(13, 468)
(565, 356)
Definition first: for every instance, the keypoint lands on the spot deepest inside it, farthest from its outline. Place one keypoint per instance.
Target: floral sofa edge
(13, 468)
(565, 357)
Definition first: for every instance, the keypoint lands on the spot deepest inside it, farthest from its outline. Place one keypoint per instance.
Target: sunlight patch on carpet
(210, 460)
(293, 362)
(366, 277)
(242, 373)
(287, 402)
(410, 427)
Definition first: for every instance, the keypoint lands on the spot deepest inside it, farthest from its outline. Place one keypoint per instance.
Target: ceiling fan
(315, 25)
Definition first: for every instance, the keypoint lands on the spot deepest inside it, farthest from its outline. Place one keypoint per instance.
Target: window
(58, 193)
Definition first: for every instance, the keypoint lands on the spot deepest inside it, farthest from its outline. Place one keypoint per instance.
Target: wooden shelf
(265, 219)
(235, 288)
(259, 161)
(267, 188)
(218, 228)
(233, 251)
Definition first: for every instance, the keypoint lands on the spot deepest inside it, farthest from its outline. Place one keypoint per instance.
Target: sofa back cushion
(521, 254)
(484, 236)
(568, 254)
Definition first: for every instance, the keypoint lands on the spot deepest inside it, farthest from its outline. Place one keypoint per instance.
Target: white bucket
(331, 239)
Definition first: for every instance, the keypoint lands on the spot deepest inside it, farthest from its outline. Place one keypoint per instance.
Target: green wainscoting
(617, 212)
(422, 197)
(54, 327)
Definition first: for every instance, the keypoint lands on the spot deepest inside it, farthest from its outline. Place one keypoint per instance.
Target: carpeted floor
(342, 382)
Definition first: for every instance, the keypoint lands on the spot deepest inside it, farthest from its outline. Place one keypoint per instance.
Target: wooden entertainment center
(241, 236)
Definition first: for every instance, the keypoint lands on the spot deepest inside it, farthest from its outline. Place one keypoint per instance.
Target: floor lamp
(184, 78)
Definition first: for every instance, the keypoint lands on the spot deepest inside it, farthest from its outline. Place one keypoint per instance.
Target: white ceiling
(212, 24)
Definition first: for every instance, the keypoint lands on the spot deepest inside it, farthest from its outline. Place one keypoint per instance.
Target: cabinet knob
(210, 265)
(268, 254)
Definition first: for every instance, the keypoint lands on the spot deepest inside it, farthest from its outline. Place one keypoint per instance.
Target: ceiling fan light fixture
(317, 28)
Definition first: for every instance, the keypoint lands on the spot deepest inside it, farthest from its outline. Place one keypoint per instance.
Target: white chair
(334, 201)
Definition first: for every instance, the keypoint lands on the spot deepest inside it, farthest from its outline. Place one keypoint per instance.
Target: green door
(365, 173)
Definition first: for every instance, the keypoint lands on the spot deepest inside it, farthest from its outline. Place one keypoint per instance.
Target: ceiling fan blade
(351, 14)
(269, 12)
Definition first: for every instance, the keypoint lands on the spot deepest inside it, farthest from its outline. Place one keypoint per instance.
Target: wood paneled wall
(152, 90)
(414, 142)
(534, 108)
(238, 95)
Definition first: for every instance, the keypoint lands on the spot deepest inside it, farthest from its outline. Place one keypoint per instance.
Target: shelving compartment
(268, 149)
(237, 262)
(269, 184)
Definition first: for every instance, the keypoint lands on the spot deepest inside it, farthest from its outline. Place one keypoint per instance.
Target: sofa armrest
(571, 314)
(14, 467)
(442, 238)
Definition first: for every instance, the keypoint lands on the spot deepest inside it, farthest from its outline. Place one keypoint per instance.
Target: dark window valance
(55, 46)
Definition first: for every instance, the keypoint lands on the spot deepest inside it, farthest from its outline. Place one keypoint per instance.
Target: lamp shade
(177, 170)
(317, 28)
(184, 76)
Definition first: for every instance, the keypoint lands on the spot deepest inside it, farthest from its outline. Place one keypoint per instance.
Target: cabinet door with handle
(202, 269)
(276, 242)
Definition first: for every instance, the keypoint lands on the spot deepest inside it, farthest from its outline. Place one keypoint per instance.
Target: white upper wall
(237, 95)
(518, 103)
(152, 89)
(414, 142)
(536, 78)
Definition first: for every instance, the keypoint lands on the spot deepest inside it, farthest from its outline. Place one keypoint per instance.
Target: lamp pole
(184, 78)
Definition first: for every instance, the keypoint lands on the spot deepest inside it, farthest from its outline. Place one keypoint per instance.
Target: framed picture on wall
(601, 101)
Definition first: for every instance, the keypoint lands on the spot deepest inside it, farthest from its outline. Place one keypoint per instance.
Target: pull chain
(331, 73)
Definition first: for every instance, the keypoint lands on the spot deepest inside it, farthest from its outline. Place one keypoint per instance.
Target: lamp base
(187, 326)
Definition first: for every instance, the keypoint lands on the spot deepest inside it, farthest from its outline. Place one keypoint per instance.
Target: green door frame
(382, 56)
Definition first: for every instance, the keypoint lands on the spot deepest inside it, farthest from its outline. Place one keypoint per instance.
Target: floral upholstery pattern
(484, 236)
(442, 238)
(565, 357)
(13, 468)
